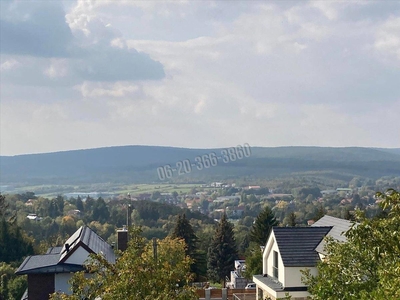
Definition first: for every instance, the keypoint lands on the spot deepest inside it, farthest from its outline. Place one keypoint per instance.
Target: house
(291, 249)
(51, 272)
(237, 279)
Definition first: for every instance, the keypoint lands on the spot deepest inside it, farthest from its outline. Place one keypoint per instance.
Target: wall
(61, 282)
(268, 259)
(79, 256)
(293, 276)
(40, 286)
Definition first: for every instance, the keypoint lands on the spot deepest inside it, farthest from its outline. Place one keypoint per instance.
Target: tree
(139, 273)
(183, 230)
(79, 204)
(100, 211)
(367, 266)
(3, 206)
(262, 226)
(14, 244)
(222, 251)
(11, 286)
(320, 212)
(292, 219)
(253, 261)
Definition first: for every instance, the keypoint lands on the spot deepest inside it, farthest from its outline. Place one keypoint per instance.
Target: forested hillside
(139, 164)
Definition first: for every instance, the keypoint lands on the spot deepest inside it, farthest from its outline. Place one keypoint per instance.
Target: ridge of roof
(55, 258)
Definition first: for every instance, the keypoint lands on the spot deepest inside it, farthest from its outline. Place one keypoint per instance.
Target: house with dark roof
(50, 272)
(290, 250)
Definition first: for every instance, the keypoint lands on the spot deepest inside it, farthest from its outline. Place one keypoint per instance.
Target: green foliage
(367, 266)
(222, 251)
(100, 211)
(137, 274)
(262, 226)
(183, 230)
(320, 212)
(253, 261)
(14, 244)
(11, 286)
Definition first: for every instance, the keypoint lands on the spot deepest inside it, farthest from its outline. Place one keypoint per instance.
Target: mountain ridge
(140, 163)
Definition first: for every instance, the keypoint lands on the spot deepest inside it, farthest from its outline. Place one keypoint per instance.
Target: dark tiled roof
(270, 282)
(38, 261)
(340, 226)
(54, 250)
(84, 235)
(297, 244)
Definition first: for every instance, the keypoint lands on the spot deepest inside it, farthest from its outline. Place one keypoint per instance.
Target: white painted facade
(287, 276)
(268, 259)
(293, 275)
(78, 257)
(61, 283)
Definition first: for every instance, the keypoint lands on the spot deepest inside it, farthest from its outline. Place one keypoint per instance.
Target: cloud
(388, 38)
(40, 32)
(35, 28)
(223, 73)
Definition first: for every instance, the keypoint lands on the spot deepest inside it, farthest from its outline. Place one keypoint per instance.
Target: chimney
(122, 235)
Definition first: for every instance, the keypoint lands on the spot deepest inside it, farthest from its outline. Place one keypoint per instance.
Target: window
(275, 265)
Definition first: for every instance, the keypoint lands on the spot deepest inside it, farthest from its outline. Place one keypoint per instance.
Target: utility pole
(127, 215)
(155, 248)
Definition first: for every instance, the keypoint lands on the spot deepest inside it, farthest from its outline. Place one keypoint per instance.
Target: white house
(290, 250)
(51, 272)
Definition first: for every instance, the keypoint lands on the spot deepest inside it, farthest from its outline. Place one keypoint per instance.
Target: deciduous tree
(138, 273)
(367, 266)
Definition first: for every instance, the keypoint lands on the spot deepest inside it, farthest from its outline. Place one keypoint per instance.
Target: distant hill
(127, 164)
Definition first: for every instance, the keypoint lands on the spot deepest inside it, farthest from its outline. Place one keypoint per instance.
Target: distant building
(254, 187)
(237, 280)
(33, 217)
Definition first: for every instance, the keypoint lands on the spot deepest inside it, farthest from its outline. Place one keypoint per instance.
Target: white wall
(293, 276)
(79, 256)
(61, 282)
(268, 259)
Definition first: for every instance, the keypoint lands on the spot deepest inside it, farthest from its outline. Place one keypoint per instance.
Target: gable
(297, 244)
(78, 256)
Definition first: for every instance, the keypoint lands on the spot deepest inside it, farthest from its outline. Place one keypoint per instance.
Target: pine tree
(262, 226)
(222, 251)
(184, 230)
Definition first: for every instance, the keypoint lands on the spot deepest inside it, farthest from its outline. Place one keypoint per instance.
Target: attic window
(275, 265)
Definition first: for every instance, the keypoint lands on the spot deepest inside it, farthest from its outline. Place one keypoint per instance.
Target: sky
(198, 74)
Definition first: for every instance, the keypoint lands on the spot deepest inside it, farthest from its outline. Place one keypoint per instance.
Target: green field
(132, 189)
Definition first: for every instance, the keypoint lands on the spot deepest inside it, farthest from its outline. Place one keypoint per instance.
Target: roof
(340, 226)
(47, 263)
(54, 261)
(297, 244)
(92, 242)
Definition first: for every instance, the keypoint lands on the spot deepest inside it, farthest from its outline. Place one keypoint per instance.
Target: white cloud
(9, 64)
(388, 38)
(58, 68)
(281, 73)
